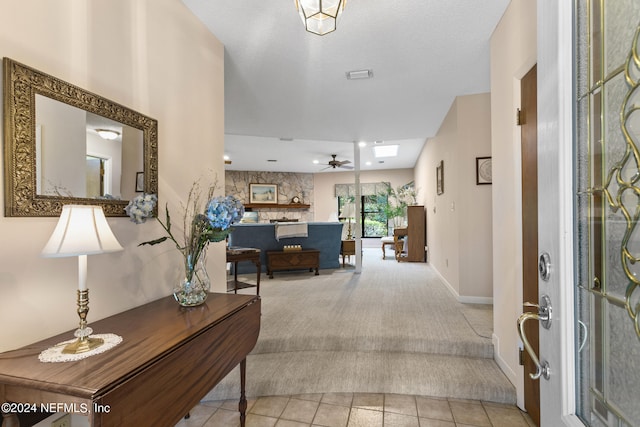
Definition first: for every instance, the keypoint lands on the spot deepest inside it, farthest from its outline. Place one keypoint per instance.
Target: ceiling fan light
(320, 16)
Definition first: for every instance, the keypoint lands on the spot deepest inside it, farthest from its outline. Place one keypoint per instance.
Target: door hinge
(518, 117)
(521, 356)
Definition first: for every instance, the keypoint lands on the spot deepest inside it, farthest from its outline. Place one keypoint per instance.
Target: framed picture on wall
(440, 177)
(263, 193)
(483, 170)
(139, 182)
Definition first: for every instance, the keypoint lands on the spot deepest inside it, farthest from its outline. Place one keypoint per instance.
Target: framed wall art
(440, 177)
(139, 182)
(263, 193)
(483, 170)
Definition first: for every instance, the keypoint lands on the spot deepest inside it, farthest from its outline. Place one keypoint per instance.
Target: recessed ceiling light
(226, 157)
(359, 74)
(368, 163)
(315, 162)
(108, 133)
(378, 142)
(362, 144)
(385, 150)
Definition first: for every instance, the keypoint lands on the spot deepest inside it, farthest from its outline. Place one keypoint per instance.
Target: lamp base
(82, 345)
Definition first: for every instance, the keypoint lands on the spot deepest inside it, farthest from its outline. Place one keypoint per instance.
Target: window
(372, 218)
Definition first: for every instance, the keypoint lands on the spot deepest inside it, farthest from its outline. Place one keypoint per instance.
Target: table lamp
(348, 212)
(81, 230)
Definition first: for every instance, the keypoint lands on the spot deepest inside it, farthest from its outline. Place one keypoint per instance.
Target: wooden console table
(170, 358)
(236, 255)
(293, 260)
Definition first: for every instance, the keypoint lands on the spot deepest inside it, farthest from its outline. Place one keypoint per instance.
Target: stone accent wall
(289, 185)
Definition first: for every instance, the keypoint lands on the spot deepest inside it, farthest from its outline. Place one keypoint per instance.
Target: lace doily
(55, 354)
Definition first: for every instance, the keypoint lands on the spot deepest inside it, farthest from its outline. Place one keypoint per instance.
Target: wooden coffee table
(293, 260)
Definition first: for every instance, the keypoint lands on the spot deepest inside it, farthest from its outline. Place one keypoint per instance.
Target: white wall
(459, 220)
(474, 201)
(155, 57)
(442, 221)
(513, 53)
(325, 200)
(62, 136)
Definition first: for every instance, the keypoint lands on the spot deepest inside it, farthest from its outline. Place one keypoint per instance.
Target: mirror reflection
(81, 154)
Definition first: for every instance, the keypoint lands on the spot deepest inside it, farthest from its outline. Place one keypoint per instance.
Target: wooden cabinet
(416, 234)
(292, 260)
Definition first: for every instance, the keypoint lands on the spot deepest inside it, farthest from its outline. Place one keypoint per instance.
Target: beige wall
(459, 220)
(325, 201)
(155, 57)
(513, 53)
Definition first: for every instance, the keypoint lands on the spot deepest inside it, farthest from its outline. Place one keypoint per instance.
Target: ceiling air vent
(359, 74)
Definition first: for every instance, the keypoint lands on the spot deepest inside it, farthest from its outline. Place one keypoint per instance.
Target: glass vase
(194, 284)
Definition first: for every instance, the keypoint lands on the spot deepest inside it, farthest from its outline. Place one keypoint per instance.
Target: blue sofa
(323, 236)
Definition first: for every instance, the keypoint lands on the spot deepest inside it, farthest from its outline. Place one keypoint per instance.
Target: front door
(589, 210)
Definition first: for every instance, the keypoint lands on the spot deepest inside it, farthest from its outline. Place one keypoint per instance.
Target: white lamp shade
(348, 211)
(81, 230)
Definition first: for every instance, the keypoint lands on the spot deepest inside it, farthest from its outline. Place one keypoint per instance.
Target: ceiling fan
(333, 163)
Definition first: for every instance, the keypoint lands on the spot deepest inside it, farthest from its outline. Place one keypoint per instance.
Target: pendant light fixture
(320, 16)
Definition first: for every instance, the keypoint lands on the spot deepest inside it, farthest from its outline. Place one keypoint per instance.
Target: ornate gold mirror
(66, 145)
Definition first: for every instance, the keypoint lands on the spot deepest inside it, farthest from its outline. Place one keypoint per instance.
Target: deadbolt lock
(544, 266)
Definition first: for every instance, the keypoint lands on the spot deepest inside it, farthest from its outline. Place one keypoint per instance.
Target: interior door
(529, 142)
(589, 210)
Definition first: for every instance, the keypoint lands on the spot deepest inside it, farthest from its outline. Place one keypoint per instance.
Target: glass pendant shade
(320, 16)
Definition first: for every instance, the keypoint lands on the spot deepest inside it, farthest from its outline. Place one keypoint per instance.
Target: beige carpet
(395, 328)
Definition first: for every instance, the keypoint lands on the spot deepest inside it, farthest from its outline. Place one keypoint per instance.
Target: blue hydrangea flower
(223, 211)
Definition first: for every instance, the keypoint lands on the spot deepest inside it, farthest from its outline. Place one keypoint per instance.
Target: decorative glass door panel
(607, 250)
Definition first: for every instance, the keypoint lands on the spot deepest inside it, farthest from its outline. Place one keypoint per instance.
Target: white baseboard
(515, 379)
(475, 300)
(508, 372)
(463, 299)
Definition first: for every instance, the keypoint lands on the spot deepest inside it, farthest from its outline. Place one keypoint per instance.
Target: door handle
(544, 316)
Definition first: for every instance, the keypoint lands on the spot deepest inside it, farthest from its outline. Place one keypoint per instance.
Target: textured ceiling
(282, 82)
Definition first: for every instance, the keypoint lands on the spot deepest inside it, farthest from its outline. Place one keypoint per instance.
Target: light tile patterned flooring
(357, 410)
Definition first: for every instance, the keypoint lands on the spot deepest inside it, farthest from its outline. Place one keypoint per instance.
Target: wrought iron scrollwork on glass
(622, 186)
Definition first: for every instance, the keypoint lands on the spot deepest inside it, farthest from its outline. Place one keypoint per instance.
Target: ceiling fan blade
(346, 167)
(343, 162)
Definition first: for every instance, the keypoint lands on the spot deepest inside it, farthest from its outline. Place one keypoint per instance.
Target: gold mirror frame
(21, 84)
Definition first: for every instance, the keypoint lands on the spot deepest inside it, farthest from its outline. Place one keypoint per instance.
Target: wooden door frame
(529, 200)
